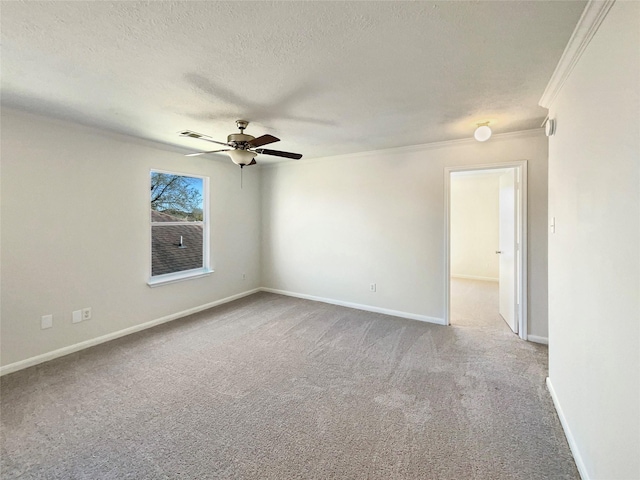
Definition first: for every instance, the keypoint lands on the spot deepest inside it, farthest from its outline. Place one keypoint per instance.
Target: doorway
(485, 242)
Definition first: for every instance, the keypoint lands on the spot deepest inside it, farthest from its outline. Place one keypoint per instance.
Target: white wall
(75, 233)
(74, 225)
(475, 225)
(332, 226)
(594, 257)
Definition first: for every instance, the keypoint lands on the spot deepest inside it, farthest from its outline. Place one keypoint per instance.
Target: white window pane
(169, 255)
(176, 198)
(178, 240)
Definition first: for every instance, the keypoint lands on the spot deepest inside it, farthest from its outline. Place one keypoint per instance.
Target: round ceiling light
(483, 132)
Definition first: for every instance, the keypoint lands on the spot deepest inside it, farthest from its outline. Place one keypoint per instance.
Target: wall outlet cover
(46, 321)
(76, 316)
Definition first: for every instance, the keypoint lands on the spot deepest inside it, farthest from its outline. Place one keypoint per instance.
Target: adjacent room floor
(474, 303)
(273, 387)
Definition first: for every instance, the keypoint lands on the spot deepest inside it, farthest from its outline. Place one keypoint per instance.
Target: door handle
(498, 251)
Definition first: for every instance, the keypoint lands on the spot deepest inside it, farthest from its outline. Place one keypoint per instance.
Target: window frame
(205, 270)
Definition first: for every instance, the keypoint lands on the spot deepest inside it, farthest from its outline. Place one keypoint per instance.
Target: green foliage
(176, 195)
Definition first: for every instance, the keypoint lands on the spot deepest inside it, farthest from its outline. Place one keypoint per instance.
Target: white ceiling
(326, 77)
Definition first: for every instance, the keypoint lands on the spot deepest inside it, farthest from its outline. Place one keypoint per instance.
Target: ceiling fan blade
(277, 153)
(253, 162)
(201, 136)
(203, 153)
(263, 140)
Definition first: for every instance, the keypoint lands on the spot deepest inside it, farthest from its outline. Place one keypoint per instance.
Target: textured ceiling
(326, 77)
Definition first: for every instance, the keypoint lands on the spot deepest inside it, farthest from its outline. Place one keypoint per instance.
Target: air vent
(189, 133)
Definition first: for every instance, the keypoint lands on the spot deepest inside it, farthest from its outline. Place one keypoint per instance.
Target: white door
(507, 249)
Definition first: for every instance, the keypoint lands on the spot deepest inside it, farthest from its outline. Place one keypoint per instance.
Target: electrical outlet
(86, 313)
(372, 287)
(46, 321)
(76, 316)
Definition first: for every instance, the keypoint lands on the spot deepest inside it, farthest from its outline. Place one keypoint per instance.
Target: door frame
(520, 167)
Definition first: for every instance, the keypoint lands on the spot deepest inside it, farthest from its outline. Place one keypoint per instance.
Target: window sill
(178, 277)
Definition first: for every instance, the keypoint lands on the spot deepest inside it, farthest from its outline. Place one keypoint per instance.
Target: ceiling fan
(242, 148)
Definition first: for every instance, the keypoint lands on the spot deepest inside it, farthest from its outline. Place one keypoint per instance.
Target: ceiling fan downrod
(242, 124)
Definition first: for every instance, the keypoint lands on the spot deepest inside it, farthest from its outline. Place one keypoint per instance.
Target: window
(179, 226)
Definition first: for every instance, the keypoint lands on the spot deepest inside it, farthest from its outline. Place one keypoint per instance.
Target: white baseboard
(45, 357)
(29, 362)
(567, 432)
(537, 339)
(358, 306)
(475, 277)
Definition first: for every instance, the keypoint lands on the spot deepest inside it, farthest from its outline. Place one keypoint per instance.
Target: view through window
(177, 223)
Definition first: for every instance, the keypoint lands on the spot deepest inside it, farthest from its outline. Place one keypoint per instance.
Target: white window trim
(168, 278)
(205, 270)
(169, 224)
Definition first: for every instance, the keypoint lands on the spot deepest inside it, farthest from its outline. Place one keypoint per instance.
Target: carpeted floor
(272, 387)
(474, 303)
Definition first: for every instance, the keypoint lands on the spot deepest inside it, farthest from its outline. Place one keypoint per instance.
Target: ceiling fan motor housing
(240, 140)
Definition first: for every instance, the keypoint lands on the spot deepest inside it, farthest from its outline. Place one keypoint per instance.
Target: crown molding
(592, 16)
(534, 132)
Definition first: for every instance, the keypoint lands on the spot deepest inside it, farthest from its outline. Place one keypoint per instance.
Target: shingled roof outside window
(167, 254)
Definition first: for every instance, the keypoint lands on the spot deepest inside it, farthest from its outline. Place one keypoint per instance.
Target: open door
(512, 264)
(507, 250)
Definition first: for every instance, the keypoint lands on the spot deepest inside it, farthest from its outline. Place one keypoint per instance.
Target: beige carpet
(474, 303)
(271, 387)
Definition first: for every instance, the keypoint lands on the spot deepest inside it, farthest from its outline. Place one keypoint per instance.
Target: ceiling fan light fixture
(241, 157)
(483, 132)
